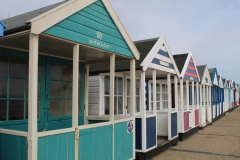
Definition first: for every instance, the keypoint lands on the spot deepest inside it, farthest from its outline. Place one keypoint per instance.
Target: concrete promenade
(219, 140)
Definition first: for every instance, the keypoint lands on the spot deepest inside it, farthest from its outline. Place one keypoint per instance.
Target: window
(137, 96)
(118, 95)
(161, 96)
(14, 88)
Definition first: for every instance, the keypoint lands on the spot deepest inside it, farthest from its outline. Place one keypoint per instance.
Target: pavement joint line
(217, 135)
(209, 153)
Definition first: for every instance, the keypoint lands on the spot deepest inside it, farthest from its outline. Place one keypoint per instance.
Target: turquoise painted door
(56, 93)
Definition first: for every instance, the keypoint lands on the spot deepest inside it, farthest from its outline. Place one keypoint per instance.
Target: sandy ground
(219, 140)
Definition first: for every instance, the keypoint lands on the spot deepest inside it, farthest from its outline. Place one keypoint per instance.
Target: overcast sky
(210, 29)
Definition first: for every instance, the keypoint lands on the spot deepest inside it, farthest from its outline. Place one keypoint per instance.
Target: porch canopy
(76, 30)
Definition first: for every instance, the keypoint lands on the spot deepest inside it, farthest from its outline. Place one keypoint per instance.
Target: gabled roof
(201, 71)
(186, 66)
(4, 26)
(40, 20)
(19, 23)
(214, 75)
(180, 60)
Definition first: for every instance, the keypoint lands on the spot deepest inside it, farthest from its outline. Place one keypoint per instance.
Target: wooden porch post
(169, 104)
(193, 100)
(210, 105)
(181, 105)
(200, 104)
(112, 78)
(143, 110)
(86, 94)
(197, 94)
(176, 92)
(204, 97)
(32, 97)
(154, 92)
(75, 86)
(75, 96)
(187, 94)
(133, 97)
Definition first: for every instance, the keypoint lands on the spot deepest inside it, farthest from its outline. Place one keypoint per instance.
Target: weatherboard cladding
(143, 46)
(161, 62)
(19, 23)
(92, 26)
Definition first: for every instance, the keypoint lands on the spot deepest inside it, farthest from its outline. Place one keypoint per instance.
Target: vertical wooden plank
(154, 92)
(143, 110)
(32, 96)
(112, 78)
(176, 92)
(169, 105)
(181, 105)
(133, 97)
(187, 94)
(75, 86)
(86, 93)
(193, 100)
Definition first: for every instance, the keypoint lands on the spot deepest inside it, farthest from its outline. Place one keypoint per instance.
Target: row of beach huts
(73, 85)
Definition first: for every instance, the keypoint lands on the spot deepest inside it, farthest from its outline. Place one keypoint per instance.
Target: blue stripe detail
(188, 78)
(174, 125)
(151, 136)
(191, 71)
(191, 64)
(138, 133)
(157, 61)
(163, 53)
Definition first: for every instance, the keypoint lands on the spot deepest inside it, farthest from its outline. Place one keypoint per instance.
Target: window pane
(158, 96)
(115, 86)
(4, 65)
(17, 88)
(79, 106)
(39, 70)
(16, 110)
(56, 71)
(158, 88)
(120, 86)
(106, 101)
(54, 108)
(137, 87)
(79, 90)
(3, 110)
(128, 105)
(158, 105)
(120, 105)
(66, 90)
(106, 85)
(128, 87)
(138, 104)
(80, 76)
(66, 107)
(55, 89)
(3, 87)
(67, 72)
(18, 67)
(151, 96)
(115, 105)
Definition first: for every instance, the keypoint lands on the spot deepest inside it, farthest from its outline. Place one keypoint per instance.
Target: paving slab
(219, 140)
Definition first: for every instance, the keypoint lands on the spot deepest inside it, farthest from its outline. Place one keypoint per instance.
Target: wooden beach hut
(215, 94)
(205, 109)
(189, 95)
(44, 67)
(229, 94)
(225, 85)
(156, 112)
(221, 95)
(2, 27)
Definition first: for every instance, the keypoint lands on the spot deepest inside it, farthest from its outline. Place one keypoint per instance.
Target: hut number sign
(129, 127)
(164, 63)
(98, 43)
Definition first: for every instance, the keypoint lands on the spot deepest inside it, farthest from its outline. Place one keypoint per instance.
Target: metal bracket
(76, 134)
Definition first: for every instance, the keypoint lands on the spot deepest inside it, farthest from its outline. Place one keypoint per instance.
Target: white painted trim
(187, 94)
(176, 92)
(46, 20)
(95, 125)
(150, 148)
(193, 96)
(13, 132)
(55, 132)
(143, 110)
(32, 96)
(112, 79)
(169, 105)
(75, 86)
(154, 92)
(123, 120)
(154, 51)
(121, 28)
(87, 94)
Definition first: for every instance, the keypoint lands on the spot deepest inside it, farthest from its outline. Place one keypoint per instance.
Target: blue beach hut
(2, 27)
(221, 95)
(44, 67)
